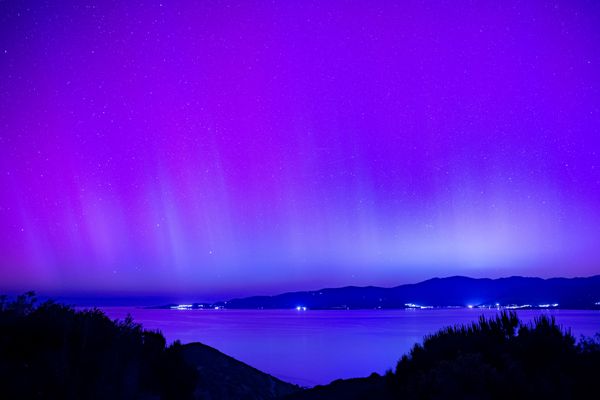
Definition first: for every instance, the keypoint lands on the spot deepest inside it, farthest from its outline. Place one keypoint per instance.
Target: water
(316, 347)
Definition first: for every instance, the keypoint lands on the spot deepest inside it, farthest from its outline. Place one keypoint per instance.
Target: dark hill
(221, 377)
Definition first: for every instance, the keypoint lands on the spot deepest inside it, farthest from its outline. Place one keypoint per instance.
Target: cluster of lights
(191, 307)
(516, 306)
(413, 305)
(407, 305)
(182, 307)
(597, 303)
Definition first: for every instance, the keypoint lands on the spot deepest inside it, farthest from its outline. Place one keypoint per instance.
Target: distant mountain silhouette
(577, 293)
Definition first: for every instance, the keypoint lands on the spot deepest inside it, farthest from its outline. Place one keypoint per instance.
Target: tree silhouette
(498, 358)
(51, 351)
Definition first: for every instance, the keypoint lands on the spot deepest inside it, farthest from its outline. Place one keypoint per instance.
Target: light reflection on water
(315, 347)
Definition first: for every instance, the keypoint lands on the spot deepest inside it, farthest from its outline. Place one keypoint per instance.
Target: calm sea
(316, 347)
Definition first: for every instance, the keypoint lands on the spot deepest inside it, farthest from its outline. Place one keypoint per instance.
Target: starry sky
(230, 147)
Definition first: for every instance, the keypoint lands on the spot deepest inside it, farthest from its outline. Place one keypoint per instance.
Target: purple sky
(238, 147)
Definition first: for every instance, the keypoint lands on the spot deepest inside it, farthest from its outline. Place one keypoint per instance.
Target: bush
(51, 351)
(498, 358)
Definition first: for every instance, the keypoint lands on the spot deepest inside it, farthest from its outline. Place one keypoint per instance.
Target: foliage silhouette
(498, 358)
(51, 351)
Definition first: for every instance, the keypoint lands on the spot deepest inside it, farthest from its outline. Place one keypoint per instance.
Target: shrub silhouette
(51, 351)
(498, 358)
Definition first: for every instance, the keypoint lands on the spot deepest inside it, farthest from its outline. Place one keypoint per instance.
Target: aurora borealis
(244, 147)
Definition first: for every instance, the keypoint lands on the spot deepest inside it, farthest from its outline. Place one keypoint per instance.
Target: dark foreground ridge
(457, 291)
(51, 351)
(224, 377)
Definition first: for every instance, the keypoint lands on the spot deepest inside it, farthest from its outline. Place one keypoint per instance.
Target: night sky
(228, 148)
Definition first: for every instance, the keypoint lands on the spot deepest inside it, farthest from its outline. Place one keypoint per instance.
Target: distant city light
(515, 306)
(182, 307)
(300, 308)
(470, 306)
(548, 305)
(413, 305)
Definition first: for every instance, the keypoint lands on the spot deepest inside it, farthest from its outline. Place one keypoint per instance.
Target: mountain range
(456, 291)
